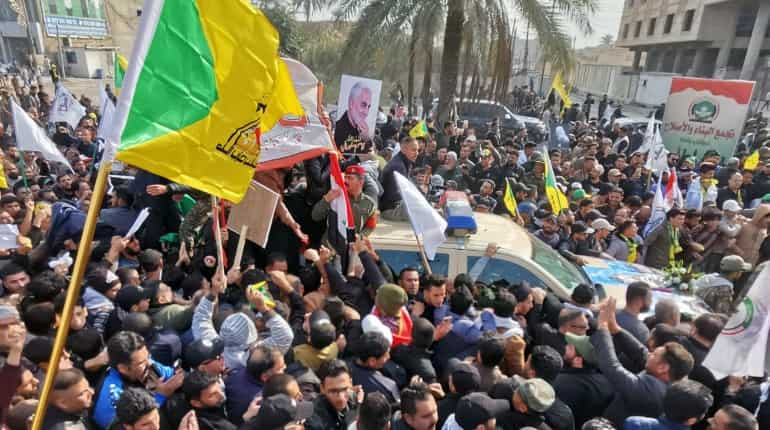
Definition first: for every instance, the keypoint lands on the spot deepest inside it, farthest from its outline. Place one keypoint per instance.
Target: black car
(481, 113)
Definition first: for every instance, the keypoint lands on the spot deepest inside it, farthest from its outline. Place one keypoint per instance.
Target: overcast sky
(605, 21)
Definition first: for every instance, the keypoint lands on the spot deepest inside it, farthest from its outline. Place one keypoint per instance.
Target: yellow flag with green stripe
(203, 83)
(555, 196)
(419, 130)
(561, 89)
(121, 65)
(510, 200)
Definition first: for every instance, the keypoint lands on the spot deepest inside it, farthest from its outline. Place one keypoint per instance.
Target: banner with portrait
(356, 116)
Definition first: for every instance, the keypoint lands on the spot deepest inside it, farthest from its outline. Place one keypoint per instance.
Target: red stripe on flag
(336, 174)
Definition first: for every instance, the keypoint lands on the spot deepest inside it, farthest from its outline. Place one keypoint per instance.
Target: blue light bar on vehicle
(459, 216)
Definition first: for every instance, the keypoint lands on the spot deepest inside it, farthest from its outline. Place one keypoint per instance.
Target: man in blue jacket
(131, 365)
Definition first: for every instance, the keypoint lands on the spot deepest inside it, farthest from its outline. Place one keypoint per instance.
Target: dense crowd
(291, 338)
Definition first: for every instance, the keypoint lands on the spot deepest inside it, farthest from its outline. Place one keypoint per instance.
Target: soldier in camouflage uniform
(364, 207)
(716, 289)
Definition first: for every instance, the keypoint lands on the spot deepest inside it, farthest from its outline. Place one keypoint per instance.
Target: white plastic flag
(30, 137)
(694, 198)
(66, 108)
(657, 158)
(741, 348)
(649, 136)
(426, 222)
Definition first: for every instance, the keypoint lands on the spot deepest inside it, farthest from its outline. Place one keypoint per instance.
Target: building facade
(703, 38)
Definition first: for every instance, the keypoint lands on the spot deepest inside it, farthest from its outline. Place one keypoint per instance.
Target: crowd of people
(293, 338)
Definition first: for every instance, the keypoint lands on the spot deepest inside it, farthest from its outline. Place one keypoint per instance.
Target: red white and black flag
(340, 228)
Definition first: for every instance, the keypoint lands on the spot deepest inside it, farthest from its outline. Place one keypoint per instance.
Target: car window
(565, 272)
(469, 109)
(497, 269)
(398, 260)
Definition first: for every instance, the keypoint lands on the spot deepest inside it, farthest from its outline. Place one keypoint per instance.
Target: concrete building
(600, 70)
(704, 38)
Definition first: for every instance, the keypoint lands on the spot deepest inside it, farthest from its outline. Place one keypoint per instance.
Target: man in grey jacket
(636, 394)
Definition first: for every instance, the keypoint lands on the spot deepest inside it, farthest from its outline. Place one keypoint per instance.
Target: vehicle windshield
(565, 272)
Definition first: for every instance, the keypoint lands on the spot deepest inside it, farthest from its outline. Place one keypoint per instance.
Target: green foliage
(292, 40)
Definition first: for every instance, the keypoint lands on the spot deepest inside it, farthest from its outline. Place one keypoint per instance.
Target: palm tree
(478, 29)
(607, 40)
(308, 6)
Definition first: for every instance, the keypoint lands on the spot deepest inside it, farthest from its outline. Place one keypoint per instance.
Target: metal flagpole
(73, 291)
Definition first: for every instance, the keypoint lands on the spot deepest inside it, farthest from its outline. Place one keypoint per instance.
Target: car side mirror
(508, 116)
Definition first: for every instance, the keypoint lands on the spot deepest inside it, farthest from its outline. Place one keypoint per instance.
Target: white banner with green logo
(705, 114)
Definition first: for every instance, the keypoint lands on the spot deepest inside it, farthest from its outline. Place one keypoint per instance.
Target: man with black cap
(129, 299)
(280, 412)
(476, 411)
(577, 244)
(462, 379)
(205, 355)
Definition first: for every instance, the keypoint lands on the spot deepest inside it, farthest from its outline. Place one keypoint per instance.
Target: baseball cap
(355, 170)
(477, 408)
(602, 223)
(278, 410)
(731, 206)
(537, 394)
(203, 350)
(614, 172)
(130, 295)
(465, 378)
(581, 227)
(520, 188)
(734, 263)
(579, 194)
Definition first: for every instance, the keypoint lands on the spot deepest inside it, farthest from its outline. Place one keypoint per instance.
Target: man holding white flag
(66, 108)
(741, 348)
(427, 224)
(30, 137)
(657, 157)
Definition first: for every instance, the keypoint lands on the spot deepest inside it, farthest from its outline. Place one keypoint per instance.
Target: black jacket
(391, 195)
(57, 419)
(416, 361)
(586, 391)
(325, 417)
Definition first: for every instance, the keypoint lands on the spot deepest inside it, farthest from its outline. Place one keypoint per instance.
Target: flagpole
(425, 261)
(73, 291)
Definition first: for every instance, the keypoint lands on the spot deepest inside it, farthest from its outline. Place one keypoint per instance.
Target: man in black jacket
(337, 406)
(546, 363)
(390, 201)
(70, 400)
(205, 396)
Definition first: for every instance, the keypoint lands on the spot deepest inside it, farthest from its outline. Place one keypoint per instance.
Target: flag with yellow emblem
(419, 130)
(121, 65)
(203, 83)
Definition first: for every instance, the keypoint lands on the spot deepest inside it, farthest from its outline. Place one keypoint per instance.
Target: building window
(53, 8)
(651, 27)
(688, 17)
(625, 31)
(638, 29)
(669, 23)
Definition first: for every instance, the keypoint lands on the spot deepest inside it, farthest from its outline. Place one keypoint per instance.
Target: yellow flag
(561, 89)
(419, 130)
(752, 161)
(3, 181)
(510, 200)
(204, 82)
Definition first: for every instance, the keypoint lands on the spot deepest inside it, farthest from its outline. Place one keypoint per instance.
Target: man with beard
(352, 126)
(638, 300)
(206, 397)
(131, 365)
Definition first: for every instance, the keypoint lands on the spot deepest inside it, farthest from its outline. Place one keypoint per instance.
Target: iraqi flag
(340, 228)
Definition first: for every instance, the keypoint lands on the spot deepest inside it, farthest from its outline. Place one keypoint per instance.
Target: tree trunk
(450, 58)
(427, 103)
(468, 42)
(410, 79)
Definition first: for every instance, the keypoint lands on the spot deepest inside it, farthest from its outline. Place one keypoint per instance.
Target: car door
(399, 259)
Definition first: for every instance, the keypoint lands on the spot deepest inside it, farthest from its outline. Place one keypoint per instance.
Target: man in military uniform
(717, 289)
(364, 207)
(536, 178)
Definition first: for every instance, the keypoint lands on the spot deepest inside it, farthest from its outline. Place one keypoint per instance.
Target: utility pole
(542, 73)
(61, 55)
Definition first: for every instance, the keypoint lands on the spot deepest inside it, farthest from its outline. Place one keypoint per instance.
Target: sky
(605, 21)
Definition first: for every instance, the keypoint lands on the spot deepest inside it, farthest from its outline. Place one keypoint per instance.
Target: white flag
(290, 142)
(66, 108)
(649, 136)
(741, 348)
(694, 198)
(659, 210)
(657, 157)
(426, 222)
(30, 137)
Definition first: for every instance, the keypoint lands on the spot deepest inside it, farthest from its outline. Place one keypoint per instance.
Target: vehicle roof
(637, 121)
(509, 236)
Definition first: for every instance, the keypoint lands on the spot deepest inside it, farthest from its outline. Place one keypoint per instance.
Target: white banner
(30, 137)
(66, 108)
